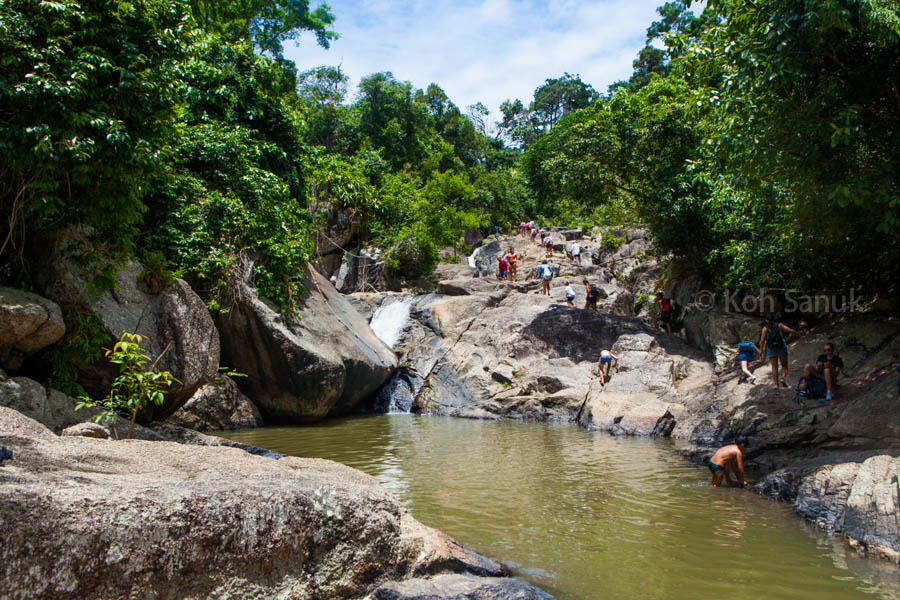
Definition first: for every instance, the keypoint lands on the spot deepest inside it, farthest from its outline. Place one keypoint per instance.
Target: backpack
(667, 306)
(745, 347)
(595, 293)
(815, 388)
(546, 272)
(774, 337)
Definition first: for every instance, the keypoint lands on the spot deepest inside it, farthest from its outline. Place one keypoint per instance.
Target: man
(607, 360)
(593, 294)
(828, 367)
(728, 458)
(545, 273)
(665, 314)
(576, 252)
(513, 259)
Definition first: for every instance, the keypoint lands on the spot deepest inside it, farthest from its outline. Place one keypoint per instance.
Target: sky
(483, 50)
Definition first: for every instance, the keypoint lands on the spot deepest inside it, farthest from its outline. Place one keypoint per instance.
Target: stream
(587, 515)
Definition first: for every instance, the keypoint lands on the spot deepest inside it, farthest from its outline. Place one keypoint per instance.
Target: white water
(474, 254)
(390, 319)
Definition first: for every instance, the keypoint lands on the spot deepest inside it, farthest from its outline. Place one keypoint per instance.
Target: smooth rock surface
(28, 323)
(217, 405)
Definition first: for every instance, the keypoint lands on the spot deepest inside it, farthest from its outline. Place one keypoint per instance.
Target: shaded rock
(459, 587)
(91, 430)
(324, 363)
(218, 405)
(14, 423)
(822, 496)
(28, 323)
(50, 407)
(175, 521)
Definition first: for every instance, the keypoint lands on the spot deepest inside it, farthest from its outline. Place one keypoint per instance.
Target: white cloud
(484, 50)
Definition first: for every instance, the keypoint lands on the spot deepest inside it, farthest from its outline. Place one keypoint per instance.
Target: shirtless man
(513, 261)
(607, 360)
(728, 457)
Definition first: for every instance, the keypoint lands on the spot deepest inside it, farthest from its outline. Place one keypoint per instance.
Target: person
(509, 229)
(576, 252)
(497, 231)
(728, 457)
(570, 296)
(546, 274)
(747, 351)
(607, 359)
(534, 233)
(828, 367)
(776, 347)
(543, 234)
(666, 312)
(513, 261)
(593, 294)
(503, 269)
(548, 244)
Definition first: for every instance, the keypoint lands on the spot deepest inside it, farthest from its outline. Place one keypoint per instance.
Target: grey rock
(217, 405)
(91, 430)
(459, 587)
(324, 363)
(28, 323)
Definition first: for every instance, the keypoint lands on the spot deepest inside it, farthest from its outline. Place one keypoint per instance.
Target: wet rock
(91, 430)
(28, 323)
(218, 405)
(459, 587)
(324, 363)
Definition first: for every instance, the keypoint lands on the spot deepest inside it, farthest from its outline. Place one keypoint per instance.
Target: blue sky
(483, 50)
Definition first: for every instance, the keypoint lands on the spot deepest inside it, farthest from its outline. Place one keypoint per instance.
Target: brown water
(587, 516)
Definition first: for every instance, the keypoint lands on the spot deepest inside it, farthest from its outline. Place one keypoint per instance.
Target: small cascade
(482, 258)
(389, 320)
(399, 394)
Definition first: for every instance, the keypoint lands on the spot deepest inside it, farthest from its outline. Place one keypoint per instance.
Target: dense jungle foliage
(759, 140)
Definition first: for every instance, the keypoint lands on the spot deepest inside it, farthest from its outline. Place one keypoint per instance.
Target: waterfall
(389, 320)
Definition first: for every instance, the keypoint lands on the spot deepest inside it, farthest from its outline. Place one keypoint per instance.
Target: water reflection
(587, 515)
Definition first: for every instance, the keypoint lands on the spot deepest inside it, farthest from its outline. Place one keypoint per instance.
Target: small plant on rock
(135, 387)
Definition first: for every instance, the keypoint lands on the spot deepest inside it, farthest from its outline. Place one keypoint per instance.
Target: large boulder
(90, 518)
(217, 405)
(324, 362)
(175, 323)
(28, 323)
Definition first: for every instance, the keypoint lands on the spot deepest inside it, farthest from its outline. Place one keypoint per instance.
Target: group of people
(508, 266)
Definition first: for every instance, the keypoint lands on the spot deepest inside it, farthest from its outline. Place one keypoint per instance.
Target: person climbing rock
(747, 351)
(570, 296)
(593, 294)
(727, 458)
(545, 273)
(607, 360)
(576, 252)
(513, 261)
(502, 269)
(776, 347)
(548, 245)
(665, 314)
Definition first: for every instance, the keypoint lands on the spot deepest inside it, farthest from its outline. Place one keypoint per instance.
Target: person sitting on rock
(828, 367)
(576, 253)
(776, 347)
(747, 351)
(593, 294)
(607, 360)
(666, 312)
(548, 245)
(545, 273)
(513, 261)
(728, 457)
(570, 296)
(502, 269)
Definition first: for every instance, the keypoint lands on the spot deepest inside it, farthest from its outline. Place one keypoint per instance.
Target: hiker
(776, 347)
(545, 273)
(509, 229)
(747, 351)
(666, 312)
(534, 232)
(570, 296)
(502, 269)
(497, 231)
(513, 261)
(728, 457)
(548, 244)
(576, 252)
(607, 359)
(542, 233)
(828, 367)
(593, 294)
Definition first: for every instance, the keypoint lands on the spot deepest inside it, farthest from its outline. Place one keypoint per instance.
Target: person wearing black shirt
(828, 366)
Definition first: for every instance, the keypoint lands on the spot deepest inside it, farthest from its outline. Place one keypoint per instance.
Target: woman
(776, 347)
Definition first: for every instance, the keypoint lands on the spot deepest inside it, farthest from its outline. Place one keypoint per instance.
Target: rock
(52, 408)
(91, 430)
(459, 587)
(218, 405)
(14, 423)
(571, 234)
(323, 363)
(28, 323)
(822, 496)
(473, 237)
(175, 316)
(122, 519)
(870, 519)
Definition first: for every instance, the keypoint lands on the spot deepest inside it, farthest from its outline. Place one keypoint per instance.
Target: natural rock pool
(586, 515)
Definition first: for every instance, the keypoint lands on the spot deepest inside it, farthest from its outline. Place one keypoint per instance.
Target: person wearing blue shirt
(545, 273)
(747, 351)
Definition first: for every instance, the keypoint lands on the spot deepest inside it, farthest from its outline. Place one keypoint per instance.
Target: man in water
(728, 457)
